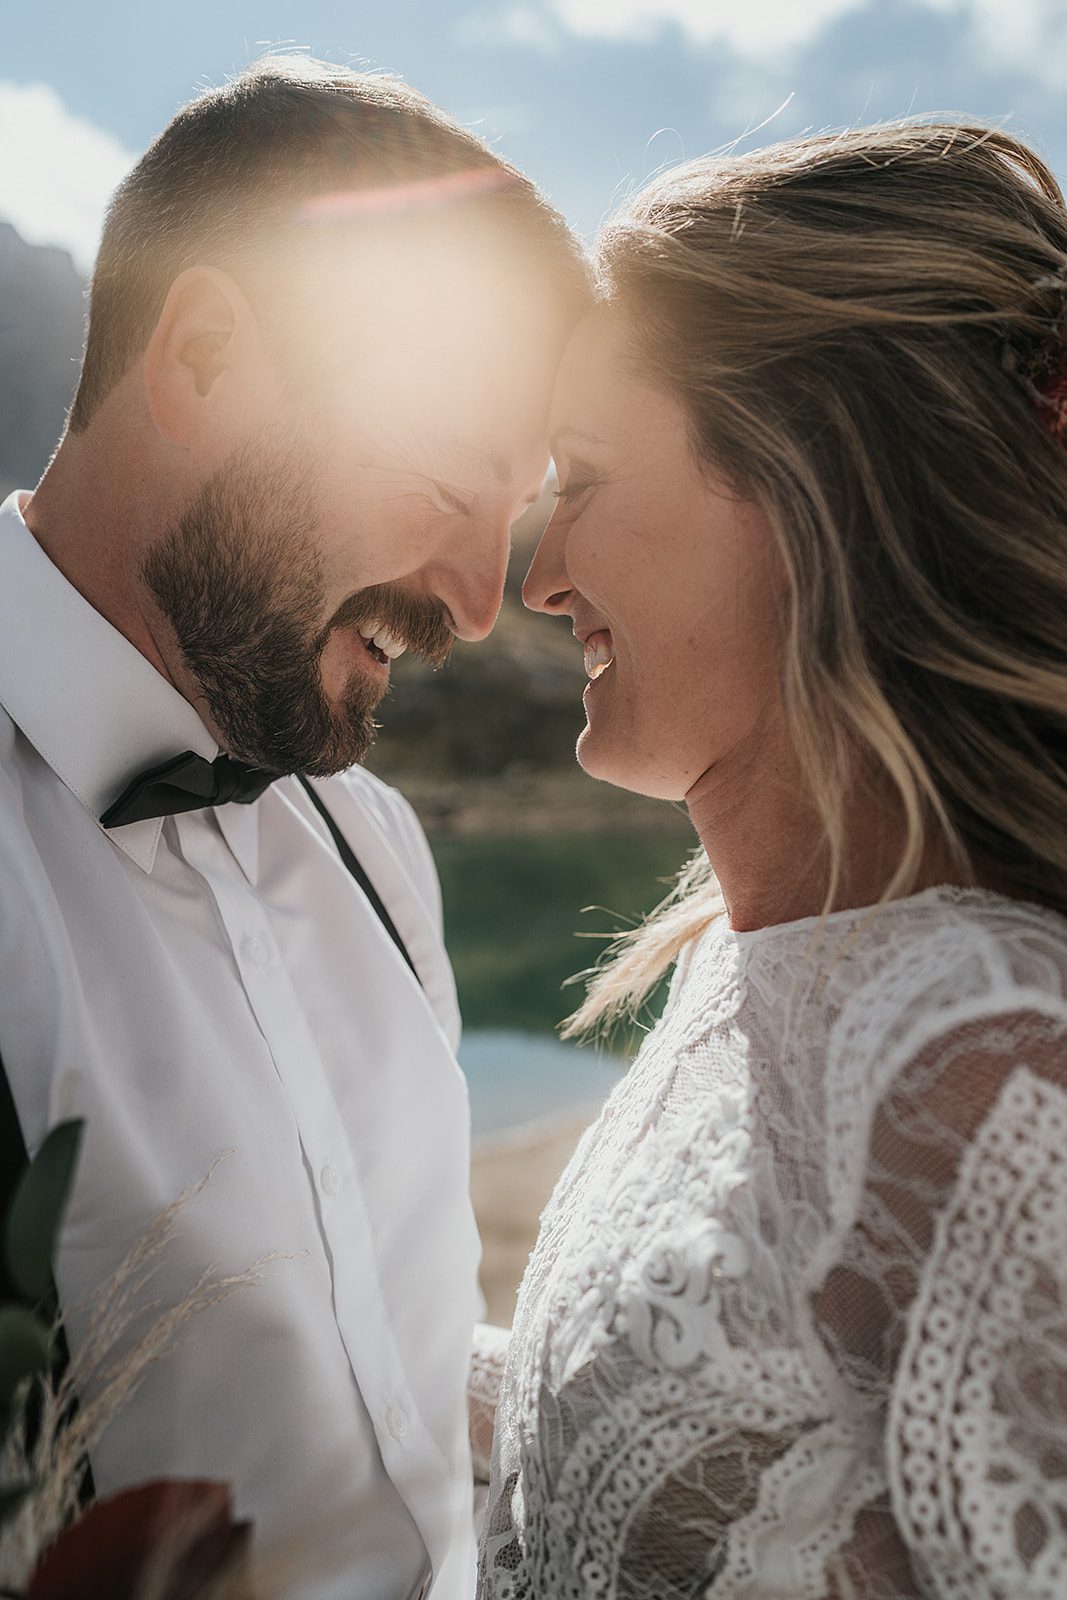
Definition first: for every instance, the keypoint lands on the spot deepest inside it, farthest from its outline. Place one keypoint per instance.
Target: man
(322, 334)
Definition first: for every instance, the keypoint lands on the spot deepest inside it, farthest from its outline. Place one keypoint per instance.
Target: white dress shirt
(217, 981)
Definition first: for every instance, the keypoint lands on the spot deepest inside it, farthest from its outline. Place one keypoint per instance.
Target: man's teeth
(599, 654)
(377, 633)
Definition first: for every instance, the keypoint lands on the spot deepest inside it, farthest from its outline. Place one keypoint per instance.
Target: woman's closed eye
(575, 487)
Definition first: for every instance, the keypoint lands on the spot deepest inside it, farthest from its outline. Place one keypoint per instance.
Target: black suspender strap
(13, 1158)
(355, 867)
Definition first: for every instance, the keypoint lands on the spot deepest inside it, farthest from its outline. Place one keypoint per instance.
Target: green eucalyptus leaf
(25, 1349)
(11, 1497)
(37, 1210)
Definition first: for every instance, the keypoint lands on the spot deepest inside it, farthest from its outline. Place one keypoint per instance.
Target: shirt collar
(239, 826)
(86, 698)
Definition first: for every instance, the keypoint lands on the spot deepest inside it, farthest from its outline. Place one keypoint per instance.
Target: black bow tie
(187, 783)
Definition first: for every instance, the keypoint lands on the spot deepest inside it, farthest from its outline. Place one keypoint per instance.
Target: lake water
(520, 1077)
(514, 926)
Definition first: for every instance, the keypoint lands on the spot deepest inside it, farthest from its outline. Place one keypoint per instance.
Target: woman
(796, 1323)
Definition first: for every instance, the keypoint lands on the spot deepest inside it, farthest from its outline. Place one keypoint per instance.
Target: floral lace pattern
(796, 1323)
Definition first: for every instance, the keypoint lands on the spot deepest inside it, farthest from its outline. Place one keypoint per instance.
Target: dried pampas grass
(69, 1427)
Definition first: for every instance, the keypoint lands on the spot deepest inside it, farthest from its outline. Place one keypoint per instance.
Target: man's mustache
(419, 623)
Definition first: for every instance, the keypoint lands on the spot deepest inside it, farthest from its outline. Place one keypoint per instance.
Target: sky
(590, 97)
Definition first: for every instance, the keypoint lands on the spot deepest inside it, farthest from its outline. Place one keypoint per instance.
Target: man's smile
(381, 642)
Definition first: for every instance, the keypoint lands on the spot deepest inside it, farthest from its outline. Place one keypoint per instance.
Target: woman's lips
(599, 653)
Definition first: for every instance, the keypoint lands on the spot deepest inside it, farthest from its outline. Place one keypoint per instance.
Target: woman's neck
(765, 840)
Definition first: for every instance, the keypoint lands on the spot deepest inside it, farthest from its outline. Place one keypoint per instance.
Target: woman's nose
(546, 586)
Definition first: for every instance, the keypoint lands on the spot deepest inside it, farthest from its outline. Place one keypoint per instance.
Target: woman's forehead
(600, 397)
(591, 371)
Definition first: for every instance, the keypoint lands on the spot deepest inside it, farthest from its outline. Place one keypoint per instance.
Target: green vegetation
(513, 908)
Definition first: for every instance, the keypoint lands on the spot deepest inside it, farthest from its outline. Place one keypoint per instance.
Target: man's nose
(547, 586)
(470, 579)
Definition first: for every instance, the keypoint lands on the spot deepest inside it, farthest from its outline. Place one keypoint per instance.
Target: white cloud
(515, 24)
(57, 170)
(748, 27)
(1024, 36)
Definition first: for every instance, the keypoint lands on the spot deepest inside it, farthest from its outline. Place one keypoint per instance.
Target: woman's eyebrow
(562, 434)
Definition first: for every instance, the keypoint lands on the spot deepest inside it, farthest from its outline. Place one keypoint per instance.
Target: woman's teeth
(599, 654)
(376, 634)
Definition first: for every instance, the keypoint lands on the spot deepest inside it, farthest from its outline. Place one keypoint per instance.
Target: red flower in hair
(1052, 399)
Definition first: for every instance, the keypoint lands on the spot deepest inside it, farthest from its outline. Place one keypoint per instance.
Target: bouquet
(167, 1540)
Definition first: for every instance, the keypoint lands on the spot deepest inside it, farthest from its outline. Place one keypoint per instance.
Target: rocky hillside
(41, 309)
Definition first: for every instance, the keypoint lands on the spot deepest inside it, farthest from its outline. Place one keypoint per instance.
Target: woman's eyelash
(571, 491)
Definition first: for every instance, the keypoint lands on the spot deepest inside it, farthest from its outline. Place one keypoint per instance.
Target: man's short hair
(230, 179)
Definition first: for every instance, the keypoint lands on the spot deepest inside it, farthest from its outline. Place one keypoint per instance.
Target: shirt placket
(344, 1221)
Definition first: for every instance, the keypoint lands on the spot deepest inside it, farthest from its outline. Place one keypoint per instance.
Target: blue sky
(588, 96)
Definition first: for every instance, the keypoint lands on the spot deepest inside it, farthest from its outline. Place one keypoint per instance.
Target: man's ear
(206, 370)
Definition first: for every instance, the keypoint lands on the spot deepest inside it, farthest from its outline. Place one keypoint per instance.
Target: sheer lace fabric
(796, 1323)
(483, 1393)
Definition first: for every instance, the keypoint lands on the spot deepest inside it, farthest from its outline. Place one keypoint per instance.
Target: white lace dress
(796, 1323)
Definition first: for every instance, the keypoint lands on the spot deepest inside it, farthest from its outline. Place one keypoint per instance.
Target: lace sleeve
(487, 1368)
(977, 1435)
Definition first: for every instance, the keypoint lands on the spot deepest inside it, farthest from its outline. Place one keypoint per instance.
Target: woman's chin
(599, 759)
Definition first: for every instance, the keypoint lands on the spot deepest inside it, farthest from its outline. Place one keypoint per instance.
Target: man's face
(374, 503)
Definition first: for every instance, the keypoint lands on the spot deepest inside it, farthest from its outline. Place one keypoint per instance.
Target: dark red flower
(1053, 393)
(109, 1550)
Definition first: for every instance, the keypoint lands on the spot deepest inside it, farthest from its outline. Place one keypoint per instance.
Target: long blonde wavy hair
(861, 328)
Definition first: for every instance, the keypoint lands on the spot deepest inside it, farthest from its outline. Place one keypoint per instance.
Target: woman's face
(668, 576)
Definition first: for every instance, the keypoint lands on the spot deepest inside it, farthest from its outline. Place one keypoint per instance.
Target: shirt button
(256, 951)
(396, 1420)
(330, 1179)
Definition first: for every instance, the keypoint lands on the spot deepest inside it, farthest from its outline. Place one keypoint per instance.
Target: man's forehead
(473, 394)
(469, 453)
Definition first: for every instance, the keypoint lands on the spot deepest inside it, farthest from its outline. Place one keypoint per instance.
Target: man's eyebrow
(578, 434)
(476, 456)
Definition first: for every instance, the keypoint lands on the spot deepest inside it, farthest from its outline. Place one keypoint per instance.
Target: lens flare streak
(421, 194)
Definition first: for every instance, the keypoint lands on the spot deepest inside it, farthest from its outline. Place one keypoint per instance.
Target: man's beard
(239, 579)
